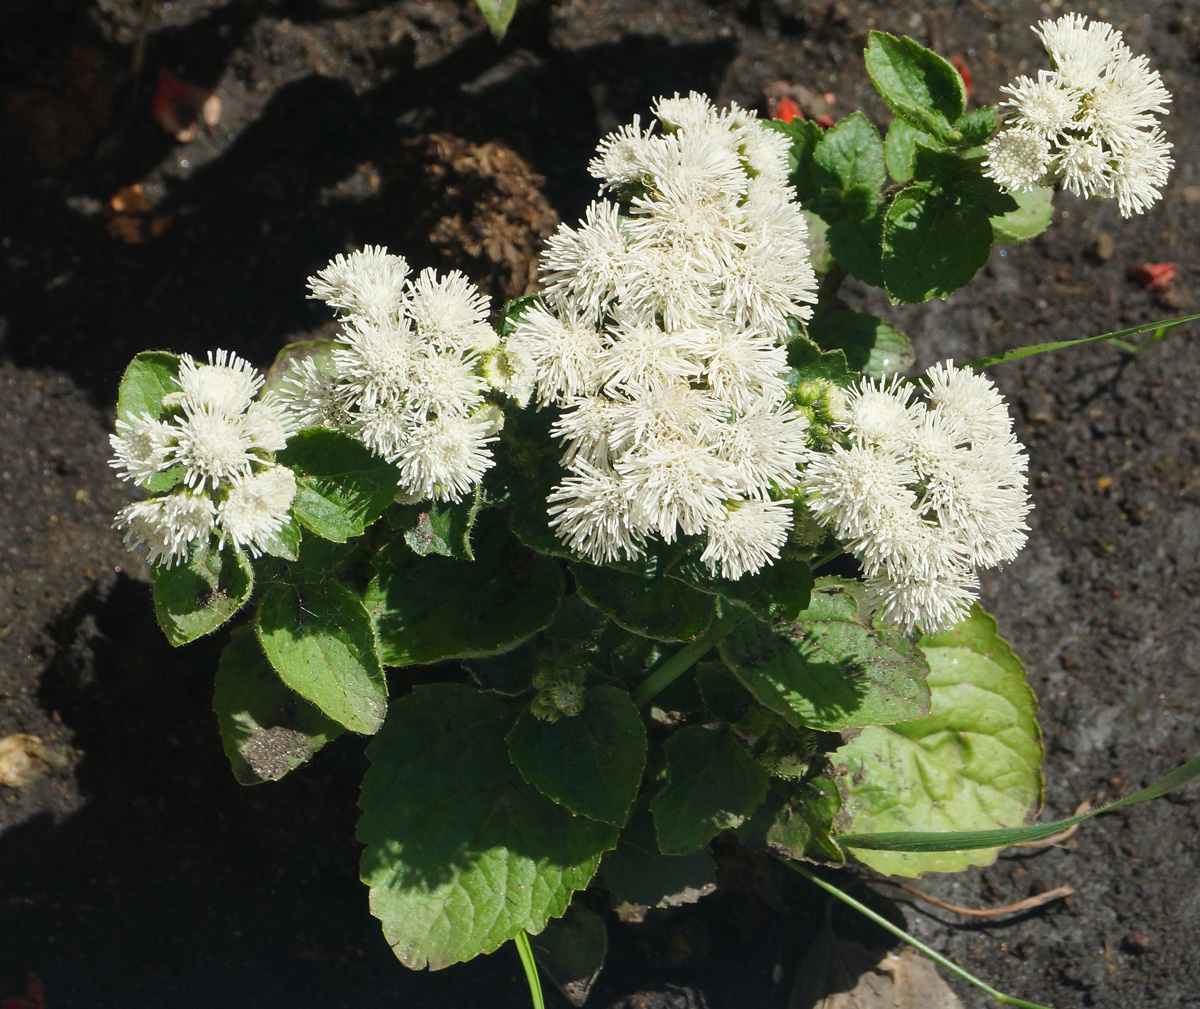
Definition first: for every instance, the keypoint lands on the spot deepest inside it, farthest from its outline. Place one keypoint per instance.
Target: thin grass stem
(912, 940)
(531, 972)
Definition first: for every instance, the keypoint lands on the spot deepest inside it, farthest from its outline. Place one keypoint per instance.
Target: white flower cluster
(409, 377)
(661, 338)
(223, 440)
(1090, 121)
(925, 494)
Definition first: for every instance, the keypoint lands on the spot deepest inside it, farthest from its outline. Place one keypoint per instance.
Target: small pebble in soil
(1137, 943)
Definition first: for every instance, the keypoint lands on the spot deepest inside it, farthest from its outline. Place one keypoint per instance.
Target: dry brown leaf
(844, 974)
(22, 760)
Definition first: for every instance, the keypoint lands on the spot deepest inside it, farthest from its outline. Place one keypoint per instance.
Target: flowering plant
(498, 550)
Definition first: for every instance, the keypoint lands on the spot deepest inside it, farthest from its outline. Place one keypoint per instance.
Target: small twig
(1058, 838)
(138, 57)
(1028, 904)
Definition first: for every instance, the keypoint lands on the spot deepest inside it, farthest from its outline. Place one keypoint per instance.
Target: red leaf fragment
(32, 999)
(786, 109)
(181, 108)
(1154, 276)
(964, 72)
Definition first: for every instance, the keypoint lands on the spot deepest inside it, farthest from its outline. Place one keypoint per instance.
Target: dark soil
(138, 873)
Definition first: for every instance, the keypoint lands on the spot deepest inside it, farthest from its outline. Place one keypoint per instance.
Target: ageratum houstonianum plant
(668, 550)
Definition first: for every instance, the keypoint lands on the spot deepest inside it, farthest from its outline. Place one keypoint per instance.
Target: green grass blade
(912, 940)
(1160, 327)
(531, 971)
(967, 840)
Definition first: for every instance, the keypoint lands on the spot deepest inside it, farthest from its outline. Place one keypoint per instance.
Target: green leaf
(848, 166)
(442, 528)
(855, 230)
(341, 486)
(286, 543)
(780, 589)
(872, 346)
(960, 178)
(318, 638)
(972, 763)
(1035, 209)
(899, 149)
(804, 135)
(809, 363)
(426, 609)
(498, 14)
(652, 605)
(462, 854)
(964, 840)
(831, 669)
(802, 825)
(722, 694)
(592, 762)
(713, 784)
(978, 126)
(266, 729)
(933, 244)
(850, 155)
(917, 84)
(571, 950)
(513, 311)
(194, 599)
(150, 376)
(818, 241)
(637, 872)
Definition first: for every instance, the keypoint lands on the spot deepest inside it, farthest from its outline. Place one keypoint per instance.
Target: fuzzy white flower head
(926, 494)
(1140, 172)
(444, 458)
(565, 349)
(368, 282)
(1085, 167)
(662, 336)
(1044, 106)
(449, 311)
(1081, 51)
(584, 266)
(313, 396)
(375, 361)
(693, 114)
(746, 537)
(224, 439)
(211, 447)
(879, 413)
(225, 386)
(970, 397)
(1091, 121)
(256, 508)
(140, 448)
(591, 510)
(1018, 158)
(167, 525)
(621, 156)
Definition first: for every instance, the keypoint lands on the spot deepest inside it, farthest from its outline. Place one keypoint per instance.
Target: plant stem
(667, 671)
(912, 940)
(531, 971)
(1160, 329)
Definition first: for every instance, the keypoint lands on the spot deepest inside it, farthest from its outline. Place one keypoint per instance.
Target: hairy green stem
(912, 940)
(531, 972)
(667, 671)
